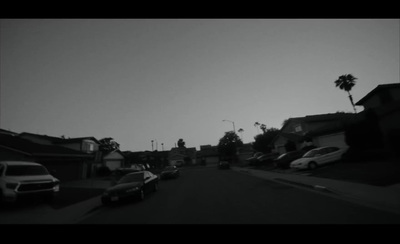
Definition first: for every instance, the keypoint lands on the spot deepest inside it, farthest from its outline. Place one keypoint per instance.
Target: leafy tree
(108, 144)
(263, 127)
(346, 82)
(229, 143)
(181, 143)
(262, 141)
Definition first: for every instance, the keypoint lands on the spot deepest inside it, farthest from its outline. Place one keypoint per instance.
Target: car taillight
(11, 186)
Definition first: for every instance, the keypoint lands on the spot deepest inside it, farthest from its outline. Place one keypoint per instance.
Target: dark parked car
(223, 165)
(170, 172)
(130, 186)
(284, 160)
(117, 174)
(253, 160)
(267, 158)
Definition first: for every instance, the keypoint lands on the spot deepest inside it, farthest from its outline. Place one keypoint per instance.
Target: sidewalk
(46, 214)
(382, 198)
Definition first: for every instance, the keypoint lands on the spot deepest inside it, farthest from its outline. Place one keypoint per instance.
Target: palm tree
(263, 127)
(256, 124)
(346, 82)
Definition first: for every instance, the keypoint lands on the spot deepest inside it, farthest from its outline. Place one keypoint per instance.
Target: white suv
(21, 178)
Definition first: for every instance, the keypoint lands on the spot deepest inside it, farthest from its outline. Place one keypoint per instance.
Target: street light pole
(233, 123)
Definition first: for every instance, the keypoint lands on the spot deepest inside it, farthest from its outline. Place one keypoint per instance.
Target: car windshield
(311, 154)
(169, 168)
(137, 177)
(24, 170)
(282, 156)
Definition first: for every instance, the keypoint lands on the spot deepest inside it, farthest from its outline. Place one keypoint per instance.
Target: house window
(91, 147)
(297, 128)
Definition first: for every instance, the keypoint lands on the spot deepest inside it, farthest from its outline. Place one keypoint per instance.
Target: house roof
(377, 89)
(15, 143)
(78, 139)
(320, 118)
(2, 131)
(46, 137)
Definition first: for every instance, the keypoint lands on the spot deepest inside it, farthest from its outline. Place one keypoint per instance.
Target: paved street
(211, 196)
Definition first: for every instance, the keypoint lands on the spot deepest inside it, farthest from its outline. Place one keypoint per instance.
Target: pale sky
(138, 80)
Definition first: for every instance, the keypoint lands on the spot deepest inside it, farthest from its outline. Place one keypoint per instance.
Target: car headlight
(11, 186)
(56, 186)
(133, 189)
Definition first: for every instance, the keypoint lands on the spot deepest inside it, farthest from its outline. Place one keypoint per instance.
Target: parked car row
(133, 183)
(300, 159)
(262, 158)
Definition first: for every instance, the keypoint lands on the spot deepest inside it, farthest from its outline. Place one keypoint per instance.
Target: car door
(323, 158)
(329, 154)
(333, 154)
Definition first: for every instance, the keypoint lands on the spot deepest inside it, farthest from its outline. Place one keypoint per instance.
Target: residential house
(64, 163)
(208, 154)
(245, 151)
(114, 160)
(154, 159)
(87, 145)
(182, 155)
(384, 101)
(318, 130)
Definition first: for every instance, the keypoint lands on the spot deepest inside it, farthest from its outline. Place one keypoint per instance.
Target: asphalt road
(211, 196)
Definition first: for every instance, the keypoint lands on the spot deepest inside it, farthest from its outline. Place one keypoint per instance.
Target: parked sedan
(170, 172)
(253, 160)
(132, 185)
(267, 158)
(317, 157)
(284, 160)
(117, 174)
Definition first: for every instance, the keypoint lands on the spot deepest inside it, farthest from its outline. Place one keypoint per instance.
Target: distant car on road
(284, 160)
(170, 172)
(130, 186)
(20, 179)
(317, 157)
(223, 165)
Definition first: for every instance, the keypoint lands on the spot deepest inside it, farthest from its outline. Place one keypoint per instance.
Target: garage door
(337, 140)
(114, 164)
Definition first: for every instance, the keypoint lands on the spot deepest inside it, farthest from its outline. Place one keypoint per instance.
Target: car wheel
(312, 165)
(105, 201)
(156, 187)
(49, 198)
(141, 195)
